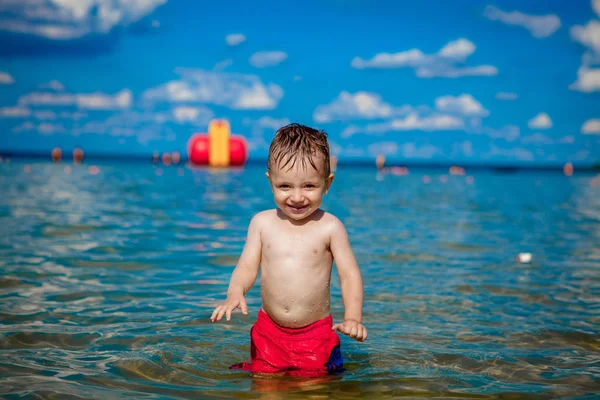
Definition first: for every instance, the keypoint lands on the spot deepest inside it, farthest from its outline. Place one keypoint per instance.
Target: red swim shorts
(274, 348)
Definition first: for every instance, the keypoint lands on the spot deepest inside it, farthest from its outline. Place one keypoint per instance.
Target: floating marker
(218, 148)
(524, 258)
(218, 138)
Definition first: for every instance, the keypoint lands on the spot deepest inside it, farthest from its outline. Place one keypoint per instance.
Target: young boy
(296, 244)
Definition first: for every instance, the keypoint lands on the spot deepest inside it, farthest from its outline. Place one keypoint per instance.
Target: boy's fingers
(364, 334)
(221, 313)
(229, 314)
(244, 307)
(353, 332)
(342, 328)
(360, 335)
(215, 314)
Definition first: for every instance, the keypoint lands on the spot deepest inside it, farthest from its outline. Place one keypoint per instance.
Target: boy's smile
(299, 190)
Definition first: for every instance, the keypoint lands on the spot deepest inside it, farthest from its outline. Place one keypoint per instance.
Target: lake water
(108, 280)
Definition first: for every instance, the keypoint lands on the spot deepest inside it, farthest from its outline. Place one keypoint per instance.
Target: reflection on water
(108, 279)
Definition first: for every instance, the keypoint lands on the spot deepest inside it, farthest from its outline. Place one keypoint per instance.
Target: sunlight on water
(107, 283)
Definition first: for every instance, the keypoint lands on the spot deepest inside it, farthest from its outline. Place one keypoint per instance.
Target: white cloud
(102, 101)
(516, 153)
(537, 138)
(15, 112)
(48, 99)
(588, 35)
(264, 59)
(181, 114)
(506, 96)
(145, 126)
(75, 116)
(464, 148)
(185, 113)
(508, 133)
(361, 105)
(259, 97)
(267, 123)
(446, 71)
(351, 130)
(434, 122)
(464, 104)
(43, 128)
(6, 78)
(447, 62)
(588, 80)
(582, 155)
(458, 50)
(46, 128)
(569, 139)
(350, 151)
(258, 127)
(426, 151)
(413, 121)
(24, 127)
(84, 101)
(385, 148)
(540, 26)
(366, 105)
(235, 39)
(410, 58)
(591, 127)
(72, 19)
(45, 114)
(236, 91)
(221, 65)
(461, 112)
(53, 85)
(407, 150)
(540, 121)
(194, 115)
(596, 6)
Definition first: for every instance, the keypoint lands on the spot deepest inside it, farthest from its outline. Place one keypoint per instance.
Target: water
(108, 281)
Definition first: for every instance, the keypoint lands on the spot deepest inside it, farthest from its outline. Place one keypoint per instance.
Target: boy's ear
(269, 178)
(328, 182)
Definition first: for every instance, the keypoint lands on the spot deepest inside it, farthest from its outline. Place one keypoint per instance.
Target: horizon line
(364, 162)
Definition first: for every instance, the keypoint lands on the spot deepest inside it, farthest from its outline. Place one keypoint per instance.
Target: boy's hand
(227, 307)
(352, 328)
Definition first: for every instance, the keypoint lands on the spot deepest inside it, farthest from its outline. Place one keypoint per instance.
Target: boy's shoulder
(328, 217)
(331, 221)
(264, 216)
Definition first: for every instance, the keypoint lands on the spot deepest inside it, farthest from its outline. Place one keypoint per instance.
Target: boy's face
(299, 191)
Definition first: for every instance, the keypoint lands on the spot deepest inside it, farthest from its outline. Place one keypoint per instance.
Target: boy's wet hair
(296, 142)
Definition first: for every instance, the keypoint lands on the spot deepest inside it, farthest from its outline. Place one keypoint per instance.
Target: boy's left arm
(351, 283)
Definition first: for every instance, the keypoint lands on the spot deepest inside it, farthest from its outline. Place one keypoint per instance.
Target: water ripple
(107, 282)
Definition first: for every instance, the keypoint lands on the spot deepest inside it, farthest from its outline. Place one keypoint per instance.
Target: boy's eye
(284, 186)
(310, 186)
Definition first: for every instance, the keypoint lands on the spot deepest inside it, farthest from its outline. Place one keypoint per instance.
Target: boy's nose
(297, 196)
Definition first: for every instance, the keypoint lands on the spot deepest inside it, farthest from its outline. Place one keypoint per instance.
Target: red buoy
(198, 149)
(238, 151)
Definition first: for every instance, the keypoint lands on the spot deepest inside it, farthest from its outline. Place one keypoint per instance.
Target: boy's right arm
(244, 275)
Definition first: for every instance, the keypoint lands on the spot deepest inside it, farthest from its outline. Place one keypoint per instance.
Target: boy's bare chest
(280, 244)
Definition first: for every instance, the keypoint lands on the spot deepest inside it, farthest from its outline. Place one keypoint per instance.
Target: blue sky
(464, 81)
